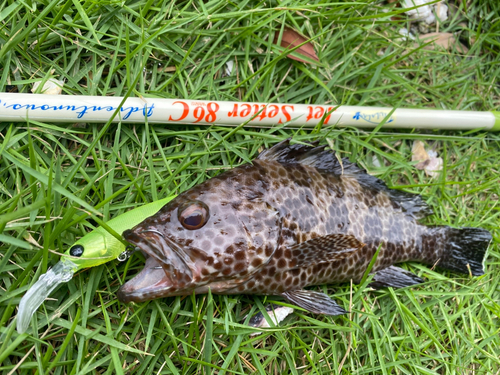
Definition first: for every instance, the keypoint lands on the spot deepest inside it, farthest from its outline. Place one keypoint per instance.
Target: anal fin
(394, 277)
(315, 302)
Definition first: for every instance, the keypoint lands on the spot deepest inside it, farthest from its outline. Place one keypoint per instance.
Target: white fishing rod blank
(15, 107)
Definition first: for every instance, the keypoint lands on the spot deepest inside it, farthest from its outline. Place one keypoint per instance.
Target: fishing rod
(16, 107)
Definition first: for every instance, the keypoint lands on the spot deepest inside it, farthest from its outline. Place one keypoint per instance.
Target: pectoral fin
(315, 302)
(394, 277)
(324, 249)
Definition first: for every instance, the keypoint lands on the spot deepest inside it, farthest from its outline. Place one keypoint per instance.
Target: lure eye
(193, 215)
(76, 250)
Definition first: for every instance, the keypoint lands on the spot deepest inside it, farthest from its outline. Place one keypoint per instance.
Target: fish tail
(464, 249)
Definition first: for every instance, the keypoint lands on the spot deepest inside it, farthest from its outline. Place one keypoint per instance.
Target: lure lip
(62, 272)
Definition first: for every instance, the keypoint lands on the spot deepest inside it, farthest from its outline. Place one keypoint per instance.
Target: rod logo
(80, 110)
(263, 111)
(373, 117)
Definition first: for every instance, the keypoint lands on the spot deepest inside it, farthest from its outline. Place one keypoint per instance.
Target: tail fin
(465, 250)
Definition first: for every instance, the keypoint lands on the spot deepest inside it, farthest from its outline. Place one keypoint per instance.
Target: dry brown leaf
(167, 69)
(418, 153)
(428, 160)
(292, 39)
(443, 40)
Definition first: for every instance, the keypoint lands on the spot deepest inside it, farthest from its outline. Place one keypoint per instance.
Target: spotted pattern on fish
(320, 204)
(296, 216)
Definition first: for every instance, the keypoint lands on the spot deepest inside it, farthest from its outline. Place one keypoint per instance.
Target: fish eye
(76, 250)
(193, 215)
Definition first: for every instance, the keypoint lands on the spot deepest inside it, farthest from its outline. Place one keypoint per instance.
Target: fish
(296, 216)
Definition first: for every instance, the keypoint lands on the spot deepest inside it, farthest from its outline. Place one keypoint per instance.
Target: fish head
(215, 235)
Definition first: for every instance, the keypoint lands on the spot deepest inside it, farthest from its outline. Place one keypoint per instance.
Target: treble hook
(129, 250)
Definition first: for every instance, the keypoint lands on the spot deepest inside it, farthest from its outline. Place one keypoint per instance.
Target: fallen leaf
(292, 39)
(376, 162)
(422, 13)
(50, 87)
(441, 11)
(229, 68)
(406, 34)
(29, 238)
(427, 11)
(443, 40)
(427, 159)
(434, 167)
(418, 153)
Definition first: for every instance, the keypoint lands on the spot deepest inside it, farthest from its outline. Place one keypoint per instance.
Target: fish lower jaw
(152, 282)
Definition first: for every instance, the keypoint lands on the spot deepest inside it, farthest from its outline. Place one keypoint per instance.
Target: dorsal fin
(284, 152)
(311, 155)
(327, 162)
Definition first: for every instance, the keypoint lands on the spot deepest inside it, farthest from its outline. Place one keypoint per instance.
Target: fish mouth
(160, 273)
(152, 282)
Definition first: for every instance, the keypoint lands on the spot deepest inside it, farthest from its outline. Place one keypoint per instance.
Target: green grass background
(178, 49)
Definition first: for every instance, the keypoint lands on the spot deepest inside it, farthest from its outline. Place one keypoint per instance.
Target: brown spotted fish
(294, 217)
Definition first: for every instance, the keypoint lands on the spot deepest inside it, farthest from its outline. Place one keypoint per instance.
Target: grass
(52, 174)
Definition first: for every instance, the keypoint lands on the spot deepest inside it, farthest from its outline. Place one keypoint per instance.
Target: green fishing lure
(101, 246)
(95, 248)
